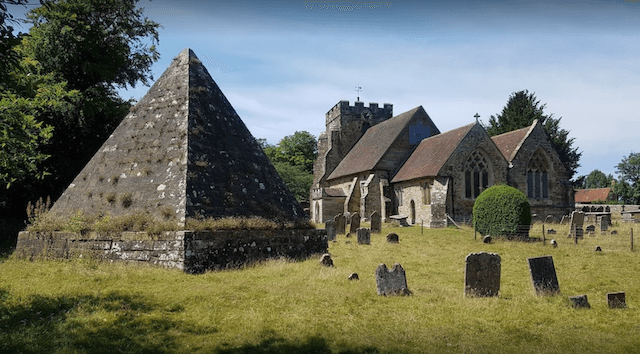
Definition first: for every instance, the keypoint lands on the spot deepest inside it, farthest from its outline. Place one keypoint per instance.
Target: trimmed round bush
(502, 210)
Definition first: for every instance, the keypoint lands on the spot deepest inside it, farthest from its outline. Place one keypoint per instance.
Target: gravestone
(326, 260)
(591, 228)
(353, 276)
(330, 226)
(543, 275)
(551, 232)
(616, 300)
(605, 221)
(486, 239)
(580, 301)
(391, 282)
(564, 220)
(577, 222)
(341, 224)
(482, 274)
(376, 223)
(598, 249)
(393, 238)
(554, 243)
(355, 223)
(363, 236)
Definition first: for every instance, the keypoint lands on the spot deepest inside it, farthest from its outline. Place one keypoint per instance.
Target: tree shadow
(110, 323)
(273, 344)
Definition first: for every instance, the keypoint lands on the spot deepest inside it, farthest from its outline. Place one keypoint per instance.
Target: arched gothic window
(538, 176)
(476, 175)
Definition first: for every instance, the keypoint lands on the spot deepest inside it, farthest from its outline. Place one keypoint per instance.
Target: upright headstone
(577, 222)
(364, 236)
(355, 223)
(391, 282)
(393, 238)
(376, 223)
(605, 221)
(482, 274)
(616, 300)
(341, 224)
(330, 226)
(543, 275)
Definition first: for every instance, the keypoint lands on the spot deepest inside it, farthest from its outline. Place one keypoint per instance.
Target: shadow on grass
(273, 344)
(109, 323)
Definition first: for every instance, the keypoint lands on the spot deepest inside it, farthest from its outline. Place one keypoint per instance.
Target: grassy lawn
(85, 306)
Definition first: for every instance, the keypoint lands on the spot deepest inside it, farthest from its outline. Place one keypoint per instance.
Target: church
(371, 161)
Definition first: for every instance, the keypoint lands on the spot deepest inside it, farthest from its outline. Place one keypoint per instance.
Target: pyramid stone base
(193, 252)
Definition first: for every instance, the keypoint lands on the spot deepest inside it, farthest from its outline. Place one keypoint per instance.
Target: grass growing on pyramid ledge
(83, 223)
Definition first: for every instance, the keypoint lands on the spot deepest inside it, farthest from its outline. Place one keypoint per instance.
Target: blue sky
(284, 64)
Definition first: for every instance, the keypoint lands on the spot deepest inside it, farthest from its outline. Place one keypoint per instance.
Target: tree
(521, 110)
(293, 157)
(596, 179)
(76, 53)
(628, 186)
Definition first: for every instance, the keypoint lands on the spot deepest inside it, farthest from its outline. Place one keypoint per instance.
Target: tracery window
(538, 177)
(476, 175)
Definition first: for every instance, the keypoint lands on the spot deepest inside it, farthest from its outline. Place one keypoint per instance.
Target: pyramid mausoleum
(181, 152)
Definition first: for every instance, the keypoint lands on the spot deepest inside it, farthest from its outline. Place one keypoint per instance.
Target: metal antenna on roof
(476, 117)
(358, 89)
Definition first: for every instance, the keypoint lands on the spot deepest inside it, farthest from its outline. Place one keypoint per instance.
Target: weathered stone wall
(433, 213)
(193, 252)
(477, 139)
(561, 196)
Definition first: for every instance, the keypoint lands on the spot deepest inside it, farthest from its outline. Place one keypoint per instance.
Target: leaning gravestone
(543, 275)
(363, 236)
(391, 282)
(482, 274)
(330, 226)
(341, 224)
(355, 223)
(376, 223)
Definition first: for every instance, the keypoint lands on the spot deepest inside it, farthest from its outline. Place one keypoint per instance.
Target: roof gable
(432, 154)
(375, 143)
(509, 143)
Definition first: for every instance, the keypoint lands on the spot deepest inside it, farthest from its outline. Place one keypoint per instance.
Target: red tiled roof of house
(507, 143)
(432, 153)
(592, 195)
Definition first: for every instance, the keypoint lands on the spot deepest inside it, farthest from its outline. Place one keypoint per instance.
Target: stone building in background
(369, 161)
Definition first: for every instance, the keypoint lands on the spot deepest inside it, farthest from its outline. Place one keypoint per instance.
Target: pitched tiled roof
(375, 142)
(432, 153)
(507, 143)
(591, 195)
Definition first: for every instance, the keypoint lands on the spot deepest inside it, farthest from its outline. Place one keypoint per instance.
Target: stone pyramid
(181, 152)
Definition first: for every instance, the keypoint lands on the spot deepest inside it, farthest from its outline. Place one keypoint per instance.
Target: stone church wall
(561, 199)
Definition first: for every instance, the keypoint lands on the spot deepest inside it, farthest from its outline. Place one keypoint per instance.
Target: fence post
(421, 227)
(631, 238)
(544, 238)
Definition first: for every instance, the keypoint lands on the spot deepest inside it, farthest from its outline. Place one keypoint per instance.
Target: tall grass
(84, 306)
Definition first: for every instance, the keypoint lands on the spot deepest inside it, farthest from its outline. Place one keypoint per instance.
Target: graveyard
(282, 306)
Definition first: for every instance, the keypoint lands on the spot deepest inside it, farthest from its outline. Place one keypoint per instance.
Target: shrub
(502, 210)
